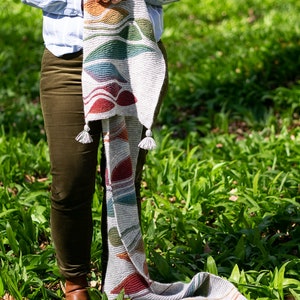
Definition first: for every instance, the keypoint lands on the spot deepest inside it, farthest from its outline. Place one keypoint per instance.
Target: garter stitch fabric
(123, 67)
(127, 268)
(123, 72)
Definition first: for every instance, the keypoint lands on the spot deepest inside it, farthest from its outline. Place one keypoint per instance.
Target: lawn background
(221, 192)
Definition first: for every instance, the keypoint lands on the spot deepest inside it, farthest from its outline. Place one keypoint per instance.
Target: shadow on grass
(251, 96)
(22, 45)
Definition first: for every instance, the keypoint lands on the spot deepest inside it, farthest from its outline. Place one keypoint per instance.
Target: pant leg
(73, 165)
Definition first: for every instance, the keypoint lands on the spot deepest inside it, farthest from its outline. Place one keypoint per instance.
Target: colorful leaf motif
(122, 171)
(132, 284)
(140, 246)
(126, 98)
(114, 16)
(121, 134)
(147, 28)
(100, 106)
(129, 199)
(114, 238)
(104, 71)
(112, 88)
(130, 33)
(116, 49)
(110, 208)
(124, 255)
(94, 8)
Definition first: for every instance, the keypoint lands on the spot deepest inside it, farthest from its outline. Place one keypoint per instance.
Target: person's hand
(110, 1)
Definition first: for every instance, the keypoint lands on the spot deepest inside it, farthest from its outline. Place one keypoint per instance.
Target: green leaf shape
(117, 50)
(146, 28)
(131, 33)
(114, 237)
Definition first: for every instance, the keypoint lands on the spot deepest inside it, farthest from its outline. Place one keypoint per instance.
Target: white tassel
(84, 136)
(148, 142)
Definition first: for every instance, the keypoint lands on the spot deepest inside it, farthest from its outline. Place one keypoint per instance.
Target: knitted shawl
(123, 68)
(123, 72)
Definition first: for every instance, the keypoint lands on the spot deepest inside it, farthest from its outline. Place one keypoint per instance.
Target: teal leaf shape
(110, 208)
(104, 71)
(117, 49)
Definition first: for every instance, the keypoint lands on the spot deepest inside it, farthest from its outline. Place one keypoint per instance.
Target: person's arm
(58, 7)
(62, 7)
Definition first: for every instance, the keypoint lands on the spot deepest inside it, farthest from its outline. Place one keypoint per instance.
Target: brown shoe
(76, 289)
(80, 294)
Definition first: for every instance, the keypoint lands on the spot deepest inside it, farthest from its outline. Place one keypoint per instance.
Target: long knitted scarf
(127, 268)
(123, 68)
(123, 72)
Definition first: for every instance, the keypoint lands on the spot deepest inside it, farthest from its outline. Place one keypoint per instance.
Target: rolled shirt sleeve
(63, 24)
(57, 7)
(156, 16)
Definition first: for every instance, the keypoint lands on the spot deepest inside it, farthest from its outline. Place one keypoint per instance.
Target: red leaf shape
(112, 88)
(126, 98)
(124, 255)
(101, 105)
(122, 171)
(133, 283)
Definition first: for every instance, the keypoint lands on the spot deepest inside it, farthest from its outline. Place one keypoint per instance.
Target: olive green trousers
(73, 165)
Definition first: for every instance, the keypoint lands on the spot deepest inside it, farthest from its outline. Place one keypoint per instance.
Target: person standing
(73, 164)
(104, 71)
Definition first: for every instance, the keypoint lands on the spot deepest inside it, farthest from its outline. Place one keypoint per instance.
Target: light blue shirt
(63, 24)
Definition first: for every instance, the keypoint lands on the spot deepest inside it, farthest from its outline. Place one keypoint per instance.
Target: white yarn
(84, 136)
(148, 143)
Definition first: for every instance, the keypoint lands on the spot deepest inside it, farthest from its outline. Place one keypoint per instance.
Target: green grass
(221, 192)
(241, 57)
